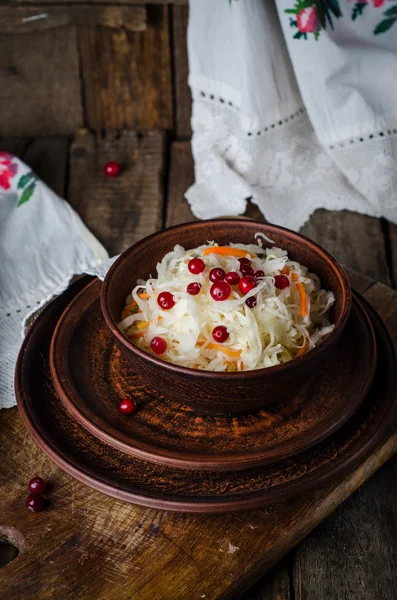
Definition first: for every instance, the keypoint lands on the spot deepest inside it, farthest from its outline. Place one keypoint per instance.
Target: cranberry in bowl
(229, 376)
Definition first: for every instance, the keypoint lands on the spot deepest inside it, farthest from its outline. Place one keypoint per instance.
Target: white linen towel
(294, 106)
(43, 244)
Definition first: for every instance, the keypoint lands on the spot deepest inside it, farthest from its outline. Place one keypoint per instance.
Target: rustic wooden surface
(88, 546)
(40, 96)
(27, 19)
(127, 75)
(182, 97)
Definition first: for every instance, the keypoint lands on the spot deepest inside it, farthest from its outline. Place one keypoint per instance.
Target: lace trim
(366, 138)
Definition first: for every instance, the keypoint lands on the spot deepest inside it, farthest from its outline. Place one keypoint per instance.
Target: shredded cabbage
(271, 333)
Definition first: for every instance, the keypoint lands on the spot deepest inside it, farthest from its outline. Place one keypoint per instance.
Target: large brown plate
(115, 473)
(91, 376)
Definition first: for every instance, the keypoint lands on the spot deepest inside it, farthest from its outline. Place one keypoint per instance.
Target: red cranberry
(247, 284)
(251, 302)
(37, 485)
(281, 281)
(196, 266)
(127, 406)
(246, 270)
(259, 273)
(35, 502)
(217, 274)
(193, 288)
(220, 334)
(158, 345)
(112, 169)
(232, 278)
(220, 290)
(244, 261)
(166, 300)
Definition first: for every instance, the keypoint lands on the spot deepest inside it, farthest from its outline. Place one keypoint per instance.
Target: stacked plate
(71, 376)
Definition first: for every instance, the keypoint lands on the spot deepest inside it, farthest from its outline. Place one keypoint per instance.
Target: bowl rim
(288, 367)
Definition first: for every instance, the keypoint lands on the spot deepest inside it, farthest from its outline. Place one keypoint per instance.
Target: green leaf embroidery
(357, 10)
(384, 25)
(391, 12)
(27, 193)
(25, 179)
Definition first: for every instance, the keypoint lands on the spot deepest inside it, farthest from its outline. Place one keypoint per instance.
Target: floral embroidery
(27, 184)
(312, 16)
(8, 169)
(385, 24)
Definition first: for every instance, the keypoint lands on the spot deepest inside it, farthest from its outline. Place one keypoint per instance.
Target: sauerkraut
(283, 315)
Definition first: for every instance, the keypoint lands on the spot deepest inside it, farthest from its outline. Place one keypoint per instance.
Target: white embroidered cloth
(293, 106)
(43, 244)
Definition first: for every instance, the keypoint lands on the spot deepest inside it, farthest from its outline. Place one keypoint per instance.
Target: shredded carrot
(142, 324)
(195, 367)
(225, 350)
(144, 295)
(300, 288)
(302, 350)
(303, 299)
(227, 251)
(128, 310)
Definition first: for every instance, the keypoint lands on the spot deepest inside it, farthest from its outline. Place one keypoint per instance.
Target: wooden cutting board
(87, 546)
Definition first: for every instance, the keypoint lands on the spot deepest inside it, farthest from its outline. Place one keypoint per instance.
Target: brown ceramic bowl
(207, 391)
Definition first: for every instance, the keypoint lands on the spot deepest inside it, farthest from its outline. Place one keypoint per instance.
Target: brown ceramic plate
(91, 376)
(115, 473)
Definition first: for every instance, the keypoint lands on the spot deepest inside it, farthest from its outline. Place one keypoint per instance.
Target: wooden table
(351, 555)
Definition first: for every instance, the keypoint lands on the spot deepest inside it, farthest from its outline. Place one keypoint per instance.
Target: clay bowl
(223, 393)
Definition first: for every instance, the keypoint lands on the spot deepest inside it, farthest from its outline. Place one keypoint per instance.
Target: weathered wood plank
(127, 75)
(120, 210)
(182, 96)
(274, 586)
(391, 230)
(181, 176)
(40, 85)
(27, 19)
(355, 240)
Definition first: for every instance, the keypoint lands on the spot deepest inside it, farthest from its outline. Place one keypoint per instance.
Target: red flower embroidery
(307, 20)
(8, 169)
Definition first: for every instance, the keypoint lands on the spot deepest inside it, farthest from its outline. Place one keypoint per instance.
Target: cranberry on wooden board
(217, 274)
(220, 291)
(247, 284)
(232, 278)
(281, 282)
(196, 266)
(165, 300)
(193, 288)
(112, 169)
(220, 333)
(37, 485)
(35, 502)
(158, 345)
(127, 406)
